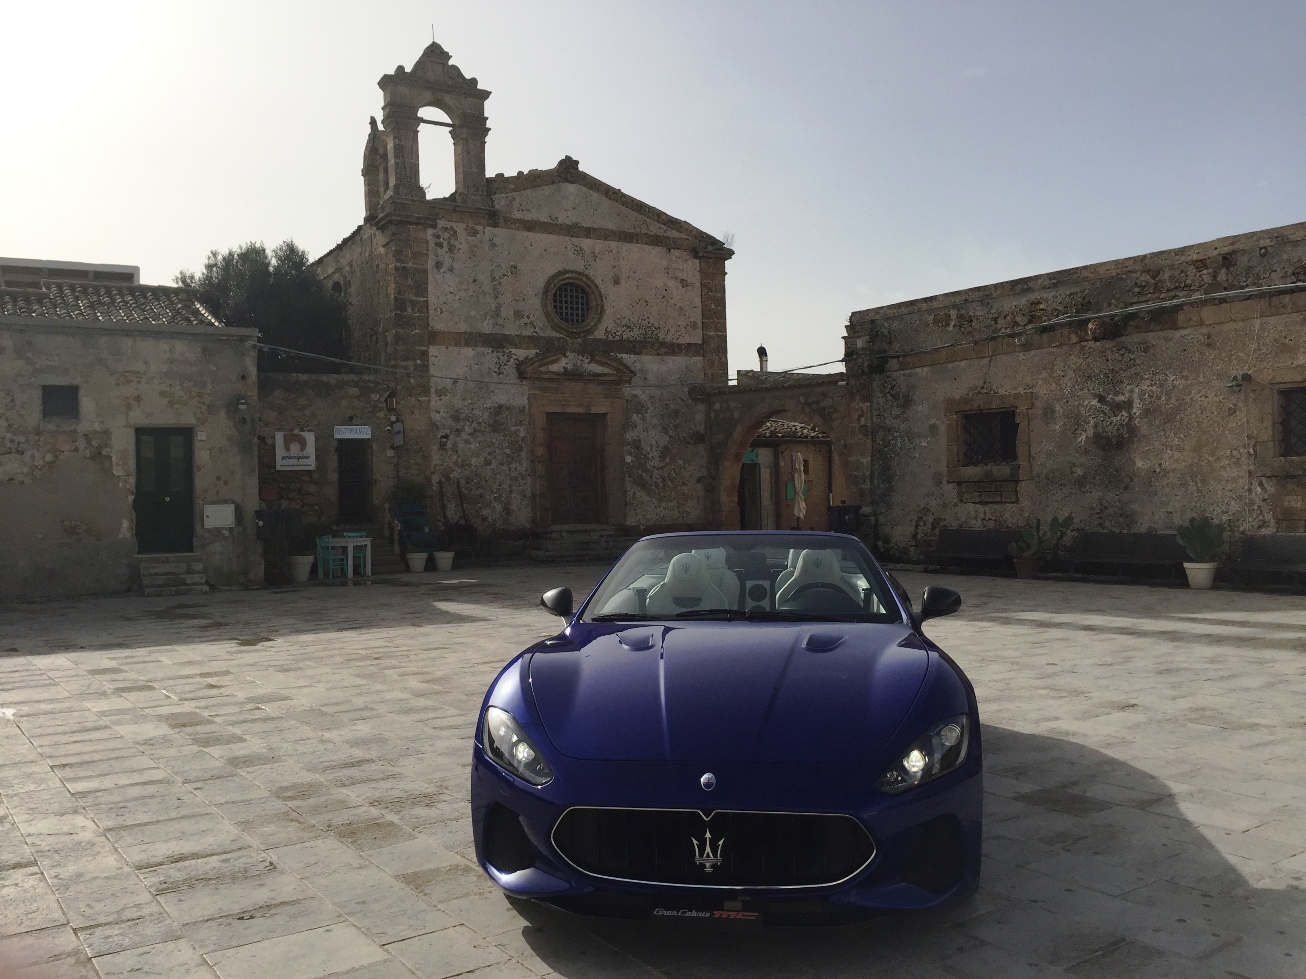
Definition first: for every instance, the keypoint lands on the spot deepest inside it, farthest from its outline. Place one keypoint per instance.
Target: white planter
(1201, 574)
(416, 561)
(300, 566)
(443, 560)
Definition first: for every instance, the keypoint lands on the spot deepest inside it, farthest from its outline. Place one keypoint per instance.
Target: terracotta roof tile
(779, 428)
(155, 305)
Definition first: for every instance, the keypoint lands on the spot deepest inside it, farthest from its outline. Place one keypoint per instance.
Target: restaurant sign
(296, 450)
(353, 431)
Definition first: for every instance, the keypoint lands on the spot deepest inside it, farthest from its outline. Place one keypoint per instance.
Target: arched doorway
(784, 478)
(757, 475)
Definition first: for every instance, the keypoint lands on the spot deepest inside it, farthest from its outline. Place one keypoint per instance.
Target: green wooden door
(165, 491)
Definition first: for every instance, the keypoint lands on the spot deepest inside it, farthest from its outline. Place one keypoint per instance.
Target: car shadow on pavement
(1090, 870)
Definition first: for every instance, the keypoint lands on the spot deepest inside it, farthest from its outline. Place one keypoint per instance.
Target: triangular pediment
(566, 195)
(575, 367)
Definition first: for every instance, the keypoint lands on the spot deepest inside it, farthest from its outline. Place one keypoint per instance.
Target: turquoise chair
(360, 559)
(329, 560)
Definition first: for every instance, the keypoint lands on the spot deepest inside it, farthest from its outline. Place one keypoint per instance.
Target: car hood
(773, 693)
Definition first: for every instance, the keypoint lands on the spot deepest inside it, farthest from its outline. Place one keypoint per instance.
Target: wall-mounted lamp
(242, 403)
(1236, 381)
(392, 405)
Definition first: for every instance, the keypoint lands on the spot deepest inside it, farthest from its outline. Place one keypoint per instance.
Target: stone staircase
(577, 543)
(166, 575)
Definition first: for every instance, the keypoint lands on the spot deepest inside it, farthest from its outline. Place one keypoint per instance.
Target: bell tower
(391, 168)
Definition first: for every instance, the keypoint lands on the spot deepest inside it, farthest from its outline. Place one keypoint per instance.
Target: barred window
(988, 438)
(1292, 421)
(571, 303)
(59, 401)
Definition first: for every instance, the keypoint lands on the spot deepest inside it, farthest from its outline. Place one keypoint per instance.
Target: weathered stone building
(126, 435)
(1133, 394)
(542, 332)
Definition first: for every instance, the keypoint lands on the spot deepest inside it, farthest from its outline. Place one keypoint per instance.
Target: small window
(571, 303)
(59, 401)
(1292, 421)
(988, 438)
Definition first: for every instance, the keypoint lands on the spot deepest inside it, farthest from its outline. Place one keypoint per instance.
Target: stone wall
(1132, 419)
(824, 401)
(66, 486)
(317, 403)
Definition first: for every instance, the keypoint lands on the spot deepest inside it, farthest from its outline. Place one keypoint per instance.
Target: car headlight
(936, 752)
(508, 745)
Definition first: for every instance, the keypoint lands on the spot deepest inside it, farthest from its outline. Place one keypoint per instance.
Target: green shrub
(1202, 538)
(1038, 544)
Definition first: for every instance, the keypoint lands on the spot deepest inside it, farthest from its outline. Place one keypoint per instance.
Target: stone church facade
(544, 334)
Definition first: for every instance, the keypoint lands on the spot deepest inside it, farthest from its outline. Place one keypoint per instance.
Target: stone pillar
(401, 124)
(712, 283)
(469, 160)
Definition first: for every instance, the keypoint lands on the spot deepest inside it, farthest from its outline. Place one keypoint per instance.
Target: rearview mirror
(558, 601)
(937, 601)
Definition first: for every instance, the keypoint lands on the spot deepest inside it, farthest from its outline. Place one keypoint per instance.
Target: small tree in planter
(1037, 545)
(1203, 539)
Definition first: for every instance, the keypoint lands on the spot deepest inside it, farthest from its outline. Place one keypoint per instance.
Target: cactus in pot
(1203, 539)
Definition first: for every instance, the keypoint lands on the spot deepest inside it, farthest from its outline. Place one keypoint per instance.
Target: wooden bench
(1127, 555)
(1277, 555)
(985, 550)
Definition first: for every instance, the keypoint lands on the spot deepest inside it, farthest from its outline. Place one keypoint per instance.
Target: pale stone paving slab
(276, 783)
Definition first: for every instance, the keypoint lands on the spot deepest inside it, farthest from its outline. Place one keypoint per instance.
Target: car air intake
(726, 849)
(507, 849)
(938, 858)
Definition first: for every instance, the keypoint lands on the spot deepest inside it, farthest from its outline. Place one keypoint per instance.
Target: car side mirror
(938, 600)
(558, 601)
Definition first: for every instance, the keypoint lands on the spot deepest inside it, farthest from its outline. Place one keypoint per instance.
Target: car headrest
(686, 576)
(713, 557)
(818, 566)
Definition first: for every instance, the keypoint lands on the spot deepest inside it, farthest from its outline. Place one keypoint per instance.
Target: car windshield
(745, 577)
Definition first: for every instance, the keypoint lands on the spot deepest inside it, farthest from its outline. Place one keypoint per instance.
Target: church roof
(154, 305)
(568, 171)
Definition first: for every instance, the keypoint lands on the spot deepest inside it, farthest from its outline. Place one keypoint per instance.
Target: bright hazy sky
(860, 153)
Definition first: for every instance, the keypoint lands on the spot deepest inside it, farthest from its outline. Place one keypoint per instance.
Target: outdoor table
(348, 544)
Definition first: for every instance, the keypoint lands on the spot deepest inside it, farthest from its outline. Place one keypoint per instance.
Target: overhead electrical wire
(1047, 325)
(477, 380)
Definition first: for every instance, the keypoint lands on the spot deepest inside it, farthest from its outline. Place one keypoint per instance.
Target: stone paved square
(275, 784)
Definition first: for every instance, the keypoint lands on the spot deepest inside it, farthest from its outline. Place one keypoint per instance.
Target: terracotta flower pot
(1026, 567)
(443, 560)
(300, 566)
(416, 561)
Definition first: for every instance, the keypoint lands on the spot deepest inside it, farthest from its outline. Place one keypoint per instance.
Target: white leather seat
(788, 572)
(720, 575)
(816, 566)
(686, 586)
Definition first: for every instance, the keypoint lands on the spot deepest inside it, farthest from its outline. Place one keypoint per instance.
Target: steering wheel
(846, 601)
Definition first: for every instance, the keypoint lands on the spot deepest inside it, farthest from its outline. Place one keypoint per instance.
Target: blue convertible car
(733, 726)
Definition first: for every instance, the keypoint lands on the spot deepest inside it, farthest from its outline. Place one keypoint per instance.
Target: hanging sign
(353, 431)
(296, 450)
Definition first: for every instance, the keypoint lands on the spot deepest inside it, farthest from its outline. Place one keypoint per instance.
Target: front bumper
(927, 842)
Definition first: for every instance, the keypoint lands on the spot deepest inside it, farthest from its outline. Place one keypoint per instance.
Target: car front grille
(745, 849)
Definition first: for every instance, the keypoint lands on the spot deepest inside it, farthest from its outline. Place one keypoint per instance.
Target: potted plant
(305, 551)
(1037, 545)
(1203, 539)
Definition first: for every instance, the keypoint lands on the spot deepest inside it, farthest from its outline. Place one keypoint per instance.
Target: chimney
(761, 359)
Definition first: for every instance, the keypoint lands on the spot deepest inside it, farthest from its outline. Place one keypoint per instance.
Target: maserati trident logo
(705, 858)
(708, 782)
